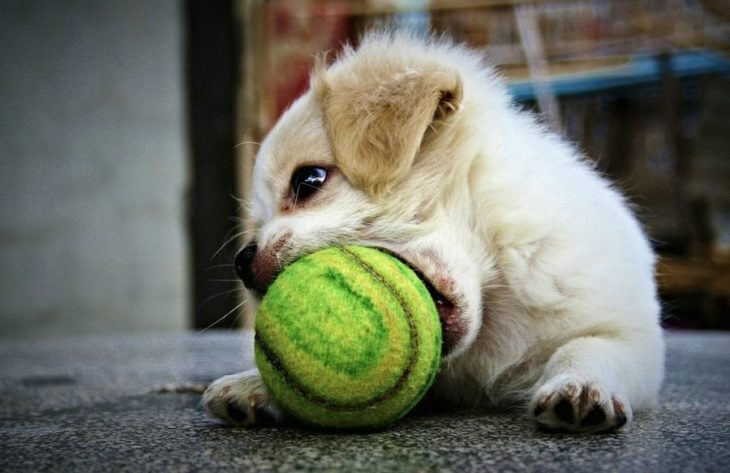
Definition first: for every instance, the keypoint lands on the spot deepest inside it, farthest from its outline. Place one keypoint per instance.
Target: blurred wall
(92, 167)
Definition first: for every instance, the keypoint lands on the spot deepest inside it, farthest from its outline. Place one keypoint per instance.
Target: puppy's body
(548, 295)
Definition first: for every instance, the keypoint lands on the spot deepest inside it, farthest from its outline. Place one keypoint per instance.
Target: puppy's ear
(376, 118)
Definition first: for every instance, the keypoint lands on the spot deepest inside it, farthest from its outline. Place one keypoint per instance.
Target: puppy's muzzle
(249, 271)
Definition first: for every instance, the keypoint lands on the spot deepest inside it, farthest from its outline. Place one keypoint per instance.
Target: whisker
(223, 317)
(242, 203)
(209, 298)
(226, 243)
(243, 143)
(238, 319)
(233, 229)
(226, 265)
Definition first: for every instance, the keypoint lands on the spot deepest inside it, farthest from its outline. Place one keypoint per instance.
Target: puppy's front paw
(241, 399)
(566, 403)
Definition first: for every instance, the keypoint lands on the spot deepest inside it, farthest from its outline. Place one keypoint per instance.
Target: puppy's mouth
(449, 312)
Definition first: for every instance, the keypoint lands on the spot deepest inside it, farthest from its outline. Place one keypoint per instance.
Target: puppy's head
(374, 154)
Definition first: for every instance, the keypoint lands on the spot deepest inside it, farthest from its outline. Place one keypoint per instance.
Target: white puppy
(545, 278)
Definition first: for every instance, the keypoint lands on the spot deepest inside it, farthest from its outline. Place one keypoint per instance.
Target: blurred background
(128, 131)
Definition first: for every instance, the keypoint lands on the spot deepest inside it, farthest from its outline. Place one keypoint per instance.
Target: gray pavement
(94, 404)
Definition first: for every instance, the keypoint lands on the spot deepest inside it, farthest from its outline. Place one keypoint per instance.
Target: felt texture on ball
(348, 338)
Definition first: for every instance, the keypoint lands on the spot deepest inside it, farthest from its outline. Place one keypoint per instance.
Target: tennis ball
(348, 338)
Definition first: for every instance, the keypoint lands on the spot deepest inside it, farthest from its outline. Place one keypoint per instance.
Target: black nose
(243, 261)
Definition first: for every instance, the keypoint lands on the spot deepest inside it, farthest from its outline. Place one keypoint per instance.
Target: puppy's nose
(243, 263)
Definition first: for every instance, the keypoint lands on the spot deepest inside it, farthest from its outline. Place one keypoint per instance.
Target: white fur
(551, 272)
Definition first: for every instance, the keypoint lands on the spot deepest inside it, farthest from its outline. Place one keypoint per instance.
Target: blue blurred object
(641, 70)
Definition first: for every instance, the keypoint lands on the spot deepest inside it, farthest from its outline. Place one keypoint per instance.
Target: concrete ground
(94, 404)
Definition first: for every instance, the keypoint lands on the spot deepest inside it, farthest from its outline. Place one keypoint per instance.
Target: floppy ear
(376, 119)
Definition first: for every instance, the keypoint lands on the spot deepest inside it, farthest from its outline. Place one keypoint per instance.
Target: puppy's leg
(591, 384)
(241, 399)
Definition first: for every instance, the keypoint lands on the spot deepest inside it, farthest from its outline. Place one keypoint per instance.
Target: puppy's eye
(307, 180)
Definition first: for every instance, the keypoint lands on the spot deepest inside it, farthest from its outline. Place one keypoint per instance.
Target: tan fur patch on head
(377, 113)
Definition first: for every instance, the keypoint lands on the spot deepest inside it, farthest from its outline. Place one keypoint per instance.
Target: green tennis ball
(348, 338)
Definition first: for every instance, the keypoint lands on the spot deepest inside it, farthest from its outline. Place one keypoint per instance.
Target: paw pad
(236, 413)
(242, 400)
(578, 407)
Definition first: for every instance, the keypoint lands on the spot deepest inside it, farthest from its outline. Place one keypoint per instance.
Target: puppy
(545, 279)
